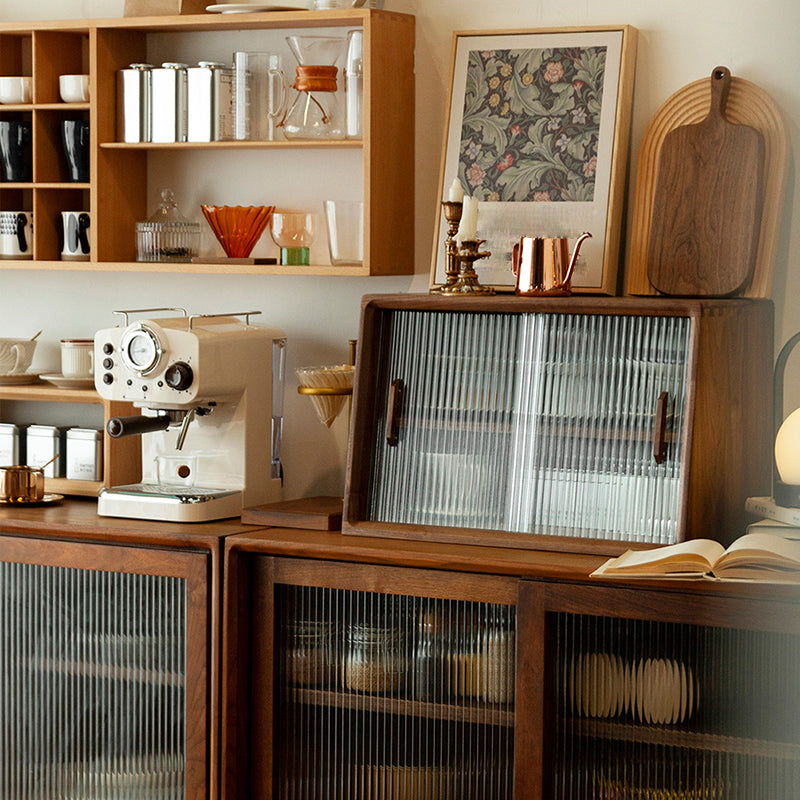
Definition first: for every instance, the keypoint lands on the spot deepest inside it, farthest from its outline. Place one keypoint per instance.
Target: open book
(761, 557)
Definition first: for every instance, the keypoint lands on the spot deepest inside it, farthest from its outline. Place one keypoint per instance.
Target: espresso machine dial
(178, 376)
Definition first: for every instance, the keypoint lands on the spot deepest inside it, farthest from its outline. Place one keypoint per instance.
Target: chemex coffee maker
(210, 387)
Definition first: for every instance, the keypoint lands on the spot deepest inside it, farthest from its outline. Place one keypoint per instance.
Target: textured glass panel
(388, 697)
(658, 710)
(532, 423)
(92, 695)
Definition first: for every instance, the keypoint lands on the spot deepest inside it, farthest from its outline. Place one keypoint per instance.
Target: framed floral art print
(538, 129)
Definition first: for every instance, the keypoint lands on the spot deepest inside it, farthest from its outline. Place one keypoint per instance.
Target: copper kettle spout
(574, 258)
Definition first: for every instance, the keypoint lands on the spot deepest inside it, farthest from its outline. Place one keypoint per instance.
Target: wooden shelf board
(75, 488)
(58, 185)
(45, 392)
(477, 713)
(356, 271)
(236, 145)
(254, 21)
(679, 737)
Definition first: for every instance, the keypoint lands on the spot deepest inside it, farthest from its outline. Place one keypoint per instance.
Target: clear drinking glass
(345, 222)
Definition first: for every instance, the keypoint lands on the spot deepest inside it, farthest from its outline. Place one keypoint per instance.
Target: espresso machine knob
(178, 376)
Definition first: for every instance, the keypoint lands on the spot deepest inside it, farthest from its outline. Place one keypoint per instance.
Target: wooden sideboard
(507, 673)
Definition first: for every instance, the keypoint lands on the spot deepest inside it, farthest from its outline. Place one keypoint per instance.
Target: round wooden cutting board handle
(720, 86)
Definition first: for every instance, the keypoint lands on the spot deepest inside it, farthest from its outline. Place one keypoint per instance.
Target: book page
(761, 550)
(693, 556)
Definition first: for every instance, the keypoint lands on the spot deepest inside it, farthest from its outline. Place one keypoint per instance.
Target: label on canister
(84, 454)
(134, 103)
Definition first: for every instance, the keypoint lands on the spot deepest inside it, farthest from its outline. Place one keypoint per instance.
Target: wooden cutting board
(707, 204)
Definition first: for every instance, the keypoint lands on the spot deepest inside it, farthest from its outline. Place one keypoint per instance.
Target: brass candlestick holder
(452, 213)
(467, 280)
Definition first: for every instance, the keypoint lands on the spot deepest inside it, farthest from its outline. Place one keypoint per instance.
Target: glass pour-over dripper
(315, 112)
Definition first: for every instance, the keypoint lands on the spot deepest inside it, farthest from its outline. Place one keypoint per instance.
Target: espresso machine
(210, 390)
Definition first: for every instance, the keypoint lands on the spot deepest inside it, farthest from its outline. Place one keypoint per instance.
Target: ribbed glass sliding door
(532, 423)
(644, 709)
(393, 697)
(92, 684)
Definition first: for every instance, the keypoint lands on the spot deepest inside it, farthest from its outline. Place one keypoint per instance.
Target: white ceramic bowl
(15, 89)
(74, 88)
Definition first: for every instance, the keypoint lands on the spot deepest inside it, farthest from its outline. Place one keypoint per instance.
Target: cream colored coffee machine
(210, 387)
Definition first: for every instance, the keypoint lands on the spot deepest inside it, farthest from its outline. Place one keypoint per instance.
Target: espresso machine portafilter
(210, 390)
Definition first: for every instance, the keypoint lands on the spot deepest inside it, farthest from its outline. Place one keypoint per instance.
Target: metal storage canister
(43, 442)
(84, 454)
(9, 444)
(134, 103)
(169, 103)
(210, 102)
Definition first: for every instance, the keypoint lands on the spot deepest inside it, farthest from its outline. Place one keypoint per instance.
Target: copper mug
(20, 484)
(543, 265)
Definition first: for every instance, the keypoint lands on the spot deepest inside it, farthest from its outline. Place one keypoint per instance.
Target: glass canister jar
(428, 663)
(498, 657)
(167, 235)
(309, 653)
(375, 660)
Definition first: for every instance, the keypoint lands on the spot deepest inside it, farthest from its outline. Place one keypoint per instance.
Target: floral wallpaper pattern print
(531, 124)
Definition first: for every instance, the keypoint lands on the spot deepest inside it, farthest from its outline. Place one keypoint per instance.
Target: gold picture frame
(538, 128)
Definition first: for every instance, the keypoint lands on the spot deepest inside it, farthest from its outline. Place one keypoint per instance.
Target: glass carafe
(316, 112)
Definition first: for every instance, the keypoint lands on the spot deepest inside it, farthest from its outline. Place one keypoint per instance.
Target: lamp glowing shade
(787, 449)
(238, 228)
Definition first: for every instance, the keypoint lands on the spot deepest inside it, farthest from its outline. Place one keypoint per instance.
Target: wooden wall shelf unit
(118, 171)
(122, 458)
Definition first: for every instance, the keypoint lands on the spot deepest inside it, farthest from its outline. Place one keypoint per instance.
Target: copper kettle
(543, 265)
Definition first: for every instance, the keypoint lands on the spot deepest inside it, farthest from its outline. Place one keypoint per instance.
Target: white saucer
(19, 378)
(252, 8)
(63, 382)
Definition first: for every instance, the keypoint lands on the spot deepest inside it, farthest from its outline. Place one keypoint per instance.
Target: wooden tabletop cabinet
(116, 194)
(369, 669)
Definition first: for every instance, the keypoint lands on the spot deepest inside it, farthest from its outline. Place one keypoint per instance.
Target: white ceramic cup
(16, 234)
(74, 88)
(16, 355)
(77, 358)
(76, 236)
(15, 89)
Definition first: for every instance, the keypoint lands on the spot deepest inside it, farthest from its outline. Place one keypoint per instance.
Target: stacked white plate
(654, 690)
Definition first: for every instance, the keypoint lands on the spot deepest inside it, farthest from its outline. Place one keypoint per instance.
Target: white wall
(680, 41)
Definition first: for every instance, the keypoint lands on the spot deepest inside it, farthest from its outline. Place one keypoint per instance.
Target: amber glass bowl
(238, 228)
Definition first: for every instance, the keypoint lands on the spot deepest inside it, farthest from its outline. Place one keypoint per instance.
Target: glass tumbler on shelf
(345, 223)
(293, 232)
(315, 112)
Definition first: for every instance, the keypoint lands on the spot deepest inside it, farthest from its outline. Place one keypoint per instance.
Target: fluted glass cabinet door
(100, 649)
(565, 425)
(678, 698)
